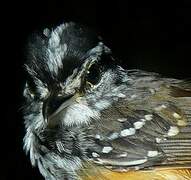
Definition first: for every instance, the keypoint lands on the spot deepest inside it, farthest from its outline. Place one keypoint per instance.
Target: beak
(54, 108)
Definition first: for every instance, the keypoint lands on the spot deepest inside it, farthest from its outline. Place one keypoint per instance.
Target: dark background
(153, 36)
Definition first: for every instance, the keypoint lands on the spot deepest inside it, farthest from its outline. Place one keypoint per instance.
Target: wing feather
(151, 127)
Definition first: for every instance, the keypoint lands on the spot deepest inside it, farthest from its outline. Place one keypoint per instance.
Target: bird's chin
(76, 113)
(80, 114)
(58, 116)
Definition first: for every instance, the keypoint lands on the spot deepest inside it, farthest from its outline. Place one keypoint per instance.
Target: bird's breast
(161, 174)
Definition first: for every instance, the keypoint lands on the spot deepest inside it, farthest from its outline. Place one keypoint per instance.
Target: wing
(150, 127)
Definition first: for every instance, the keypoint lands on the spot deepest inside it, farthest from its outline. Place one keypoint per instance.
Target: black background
(153, 36)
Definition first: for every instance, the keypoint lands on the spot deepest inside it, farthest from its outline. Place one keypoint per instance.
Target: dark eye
(93, 74)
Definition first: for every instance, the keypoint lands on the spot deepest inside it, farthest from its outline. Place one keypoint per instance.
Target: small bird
(88, 118)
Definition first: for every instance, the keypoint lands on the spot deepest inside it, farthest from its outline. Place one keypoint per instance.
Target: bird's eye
(93, 74)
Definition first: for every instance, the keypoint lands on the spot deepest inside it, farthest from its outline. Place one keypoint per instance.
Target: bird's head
(81, 107)
(70, 77)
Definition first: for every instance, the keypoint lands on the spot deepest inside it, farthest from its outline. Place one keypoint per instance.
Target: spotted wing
(151, 128)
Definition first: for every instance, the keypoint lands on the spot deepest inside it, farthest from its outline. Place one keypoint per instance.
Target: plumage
(87, 117)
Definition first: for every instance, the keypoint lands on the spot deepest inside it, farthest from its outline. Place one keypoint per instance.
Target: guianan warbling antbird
(88, 118)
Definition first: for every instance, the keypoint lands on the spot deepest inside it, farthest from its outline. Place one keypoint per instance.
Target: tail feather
(178, 150)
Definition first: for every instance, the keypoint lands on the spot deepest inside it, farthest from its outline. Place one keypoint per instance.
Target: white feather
(78, 114)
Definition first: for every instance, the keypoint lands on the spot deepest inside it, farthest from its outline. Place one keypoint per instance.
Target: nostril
(53, 103)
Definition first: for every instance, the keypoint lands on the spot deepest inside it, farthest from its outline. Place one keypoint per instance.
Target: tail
(178, 148)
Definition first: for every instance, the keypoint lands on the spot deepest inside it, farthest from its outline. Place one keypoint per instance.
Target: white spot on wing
(122, 119)
(149, 117)
(107, 149)
(152, 153)
(173, 131)
(181, 123)
(158, 140)
(123, 154)
(97, 136)
(138, 124)
(161, 107)
(113, 136)
(94, 154)
(143, 120)
(176, 115)
(127, 132)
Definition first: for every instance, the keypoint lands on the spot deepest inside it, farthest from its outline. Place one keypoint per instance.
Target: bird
(88, 118)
